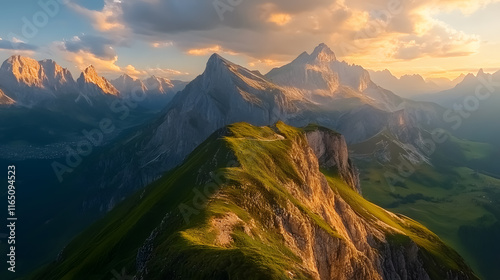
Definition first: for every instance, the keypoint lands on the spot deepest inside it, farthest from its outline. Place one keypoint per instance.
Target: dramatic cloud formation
(267, 33)
(106, 20)
(86, 50)
(274, 30)
(98, 46)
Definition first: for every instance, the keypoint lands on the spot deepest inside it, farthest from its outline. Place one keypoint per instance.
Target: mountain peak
(90, 70)
(215, 59)
(21, 65)
(48, 61)
(20, 70)
(323, 53)
(89, 80)
(127, 77)
(20, 59)
(218, 64)
(480, 72)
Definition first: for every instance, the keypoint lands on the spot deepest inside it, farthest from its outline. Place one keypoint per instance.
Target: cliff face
(331, 150)
(252, 202)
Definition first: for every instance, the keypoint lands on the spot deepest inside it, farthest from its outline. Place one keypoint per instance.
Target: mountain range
(412, 85)
(313, 88)
(29, 83)
(226, 93)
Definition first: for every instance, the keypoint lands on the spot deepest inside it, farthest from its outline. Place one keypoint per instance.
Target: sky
(174, 38)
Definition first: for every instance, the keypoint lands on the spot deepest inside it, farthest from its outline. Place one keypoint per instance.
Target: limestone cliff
(331, 150)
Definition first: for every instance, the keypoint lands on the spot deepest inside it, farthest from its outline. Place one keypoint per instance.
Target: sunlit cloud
(165, 72)
(280, 18)
(209, 50)
(97, 45)
(266, 64)
(265, 33)
(108, 67)
(162, 44)
(108, 19)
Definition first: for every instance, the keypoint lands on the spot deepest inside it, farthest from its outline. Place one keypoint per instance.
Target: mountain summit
(127, 85)
(323, 79)
(30, 82)
(91, 83)
(322, 53)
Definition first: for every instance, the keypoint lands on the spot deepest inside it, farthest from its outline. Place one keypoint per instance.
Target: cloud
(83, 59)
(99, 46)
(16, 44)
(438, 41)
(280, 18)
(279, 30)
(162, 44)
(152, 71)
(209, 50)
(108, 66)
(164, 72)
(108, 19)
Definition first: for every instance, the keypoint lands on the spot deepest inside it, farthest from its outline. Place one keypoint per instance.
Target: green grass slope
(456, 194)
(212, 217)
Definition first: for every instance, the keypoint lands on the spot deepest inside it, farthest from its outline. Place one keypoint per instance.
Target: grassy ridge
(246, 197)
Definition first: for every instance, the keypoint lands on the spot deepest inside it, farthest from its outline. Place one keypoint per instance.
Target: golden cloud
(280, 19)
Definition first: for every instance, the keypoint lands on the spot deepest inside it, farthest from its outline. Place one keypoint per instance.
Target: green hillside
(456, 194)
(221, 215)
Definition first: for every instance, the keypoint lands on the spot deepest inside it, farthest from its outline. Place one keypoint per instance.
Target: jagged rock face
(5, 100)
(127, 86)
(162, 86)
(23, 71)
(153, 93)
(331, 150)
(353, 76)
(159, 85)
(58, 78)
(91, 84)
(30, 82)
(321, 77)
(310, 73)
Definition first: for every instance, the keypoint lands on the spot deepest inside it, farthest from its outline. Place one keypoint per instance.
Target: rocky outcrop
(5, 100)
(331, 150)
(91, 84)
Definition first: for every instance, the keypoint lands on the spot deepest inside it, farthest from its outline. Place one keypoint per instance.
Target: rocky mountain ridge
(37, 83)
(261, 207)
(227, 93)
